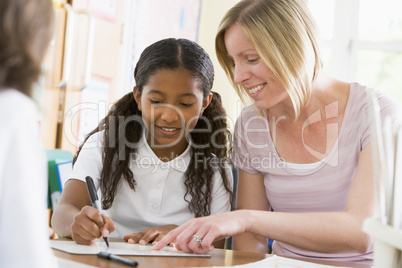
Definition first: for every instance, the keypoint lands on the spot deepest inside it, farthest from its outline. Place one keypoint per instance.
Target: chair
(235, 177)
(59, 155)
(228, 240)
(55, 157)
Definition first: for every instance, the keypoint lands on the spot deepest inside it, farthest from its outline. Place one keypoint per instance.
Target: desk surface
(219, 257)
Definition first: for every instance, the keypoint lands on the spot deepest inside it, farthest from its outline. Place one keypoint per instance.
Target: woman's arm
(251, 195)
(328, 232)
(215, 227)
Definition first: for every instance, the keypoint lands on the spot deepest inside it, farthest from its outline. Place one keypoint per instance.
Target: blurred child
(25, 31)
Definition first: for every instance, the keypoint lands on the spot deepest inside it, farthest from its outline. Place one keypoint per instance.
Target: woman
(303, 148)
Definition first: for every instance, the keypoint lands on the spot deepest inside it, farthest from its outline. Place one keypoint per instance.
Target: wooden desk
(219, 257)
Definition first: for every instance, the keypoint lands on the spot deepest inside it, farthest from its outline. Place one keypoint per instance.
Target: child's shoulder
(95, 140)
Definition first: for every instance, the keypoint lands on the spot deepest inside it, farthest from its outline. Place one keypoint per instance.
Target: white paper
(281, 262)
(119, 248)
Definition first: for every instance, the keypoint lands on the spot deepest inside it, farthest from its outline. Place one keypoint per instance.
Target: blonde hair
(25, 32)
(285, 36)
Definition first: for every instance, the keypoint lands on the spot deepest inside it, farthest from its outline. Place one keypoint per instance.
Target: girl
(154, 155)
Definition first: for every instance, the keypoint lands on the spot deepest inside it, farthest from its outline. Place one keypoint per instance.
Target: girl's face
(251, 71)
(171, 103)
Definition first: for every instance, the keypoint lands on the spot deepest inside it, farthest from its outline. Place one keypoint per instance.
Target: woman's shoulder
(251, 116)
(361, 92)
(388, 105)
(250, 111)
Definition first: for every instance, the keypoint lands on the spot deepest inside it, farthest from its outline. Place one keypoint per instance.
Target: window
(362, 41)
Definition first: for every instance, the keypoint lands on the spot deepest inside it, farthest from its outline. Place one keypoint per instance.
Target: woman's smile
(254, 91)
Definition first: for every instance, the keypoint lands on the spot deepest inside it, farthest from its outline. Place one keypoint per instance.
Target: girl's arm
(74, 218)
(74, 197)
(328, 232)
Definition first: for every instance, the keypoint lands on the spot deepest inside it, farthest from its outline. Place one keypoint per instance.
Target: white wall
(212, 12)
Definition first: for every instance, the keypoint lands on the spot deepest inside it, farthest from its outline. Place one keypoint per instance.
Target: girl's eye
(186, 104)
(155, 102)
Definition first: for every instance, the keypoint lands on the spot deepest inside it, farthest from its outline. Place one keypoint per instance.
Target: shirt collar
(179, 163)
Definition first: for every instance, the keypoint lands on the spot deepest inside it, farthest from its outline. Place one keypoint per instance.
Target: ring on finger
(197, 238)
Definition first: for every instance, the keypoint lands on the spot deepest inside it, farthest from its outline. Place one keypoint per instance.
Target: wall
(212, 12)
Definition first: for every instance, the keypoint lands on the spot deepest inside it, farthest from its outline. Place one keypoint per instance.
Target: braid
(122, 130)
(206, 159)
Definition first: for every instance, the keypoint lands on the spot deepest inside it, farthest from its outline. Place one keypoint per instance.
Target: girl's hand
(89, 225)
(206, 230)
(154, 234)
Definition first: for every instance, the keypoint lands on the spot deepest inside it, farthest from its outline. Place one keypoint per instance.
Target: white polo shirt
(24, 224)
(158, 198)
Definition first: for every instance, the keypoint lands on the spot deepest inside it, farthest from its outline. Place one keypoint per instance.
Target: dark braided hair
(123, 127)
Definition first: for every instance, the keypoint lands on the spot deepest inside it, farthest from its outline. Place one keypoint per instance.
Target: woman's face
(171, 103)
(251, 72)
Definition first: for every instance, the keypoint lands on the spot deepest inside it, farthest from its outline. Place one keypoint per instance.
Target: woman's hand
(153, 235)
(89, 225)
(206, 230)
